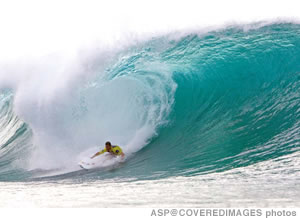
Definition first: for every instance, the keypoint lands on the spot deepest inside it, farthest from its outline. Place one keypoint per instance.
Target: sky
(35, 28)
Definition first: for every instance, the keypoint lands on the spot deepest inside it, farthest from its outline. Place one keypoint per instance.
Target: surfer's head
(108, 146)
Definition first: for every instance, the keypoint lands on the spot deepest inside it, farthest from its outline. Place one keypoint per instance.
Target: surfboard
(85, 165)
(106, 160)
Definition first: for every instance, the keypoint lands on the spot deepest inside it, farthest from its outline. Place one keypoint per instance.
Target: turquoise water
(217, 112)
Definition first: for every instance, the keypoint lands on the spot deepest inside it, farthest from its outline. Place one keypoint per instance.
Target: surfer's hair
(107, 143)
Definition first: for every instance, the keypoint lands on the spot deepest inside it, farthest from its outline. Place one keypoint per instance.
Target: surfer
(113, 150)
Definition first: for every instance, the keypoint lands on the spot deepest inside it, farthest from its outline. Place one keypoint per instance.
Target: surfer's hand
(122, 156)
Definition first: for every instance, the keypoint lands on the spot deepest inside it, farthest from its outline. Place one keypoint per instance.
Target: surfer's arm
(98, 153)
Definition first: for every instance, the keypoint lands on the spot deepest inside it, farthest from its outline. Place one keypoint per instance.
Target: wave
(199, 103)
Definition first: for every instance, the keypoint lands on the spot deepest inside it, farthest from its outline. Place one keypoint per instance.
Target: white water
(253, 186)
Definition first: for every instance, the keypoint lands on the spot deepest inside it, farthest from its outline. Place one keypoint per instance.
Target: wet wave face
(177, 105)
